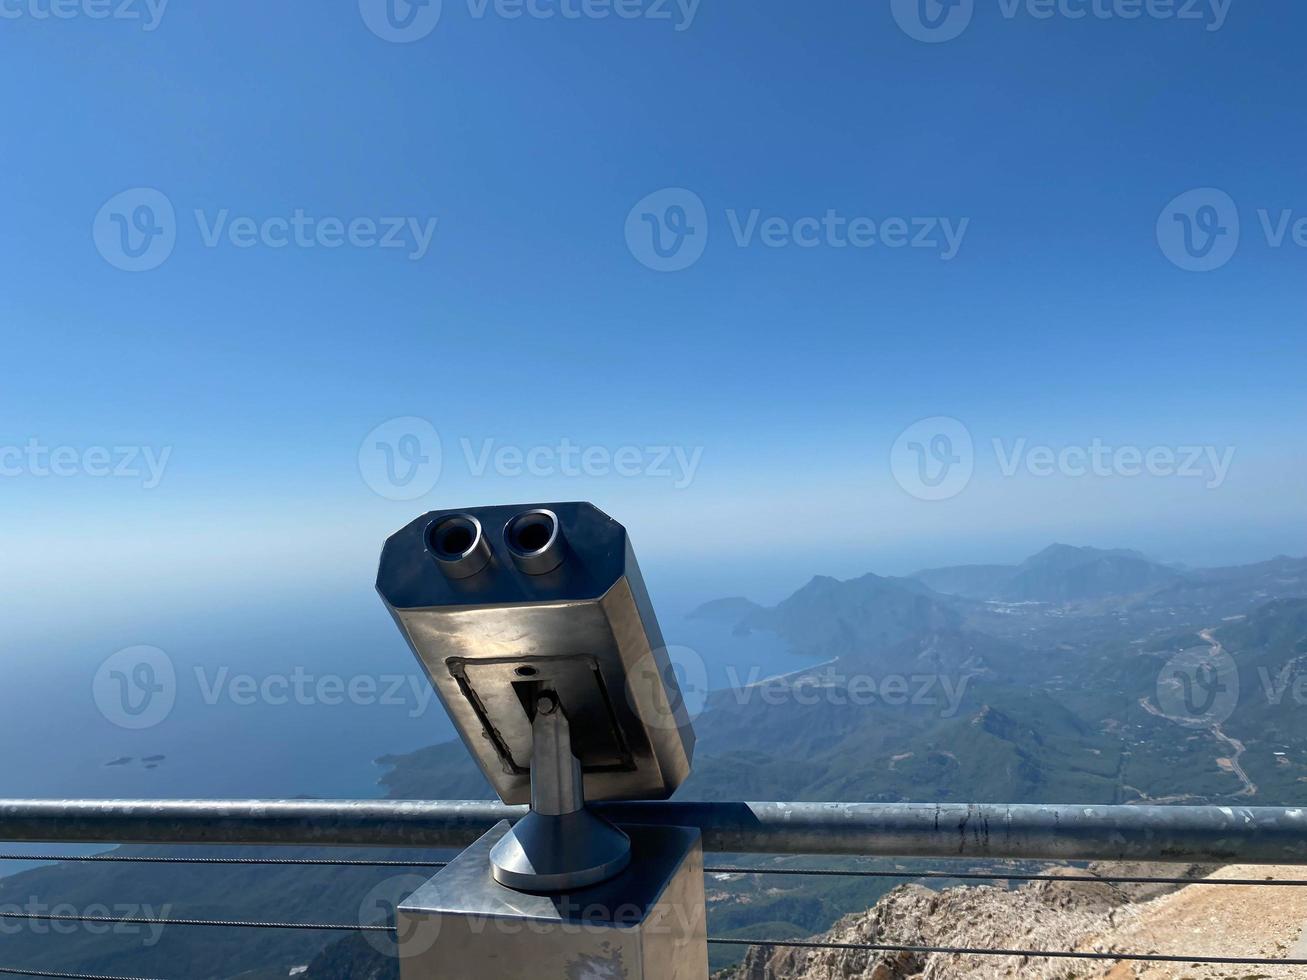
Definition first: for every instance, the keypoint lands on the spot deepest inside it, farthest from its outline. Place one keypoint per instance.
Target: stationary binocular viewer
(535, 628)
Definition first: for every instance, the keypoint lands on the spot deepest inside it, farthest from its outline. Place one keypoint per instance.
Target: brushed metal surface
(558, 853)
(490, 641)
(646, 924)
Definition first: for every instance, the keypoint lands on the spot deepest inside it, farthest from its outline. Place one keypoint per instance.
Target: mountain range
(1059, 573)
(1052, 680)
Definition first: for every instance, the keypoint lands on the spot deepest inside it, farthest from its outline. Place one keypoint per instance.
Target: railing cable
(13, 971)
(1009, 876)
(222, 923)
(724, 869)
(1025, 953)
(712, 940)
(790, 943)
(151, 859)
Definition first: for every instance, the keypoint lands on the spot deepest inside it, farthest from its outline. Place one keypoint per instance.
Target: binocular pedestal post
(559, 845)
(564, 892)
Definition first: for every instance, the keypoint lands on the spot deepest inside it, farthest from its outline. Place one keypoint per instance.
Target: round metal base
(559, 853)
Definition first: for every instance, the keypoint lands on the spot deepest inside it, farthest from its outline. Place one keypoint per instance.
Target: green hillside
(918, 696)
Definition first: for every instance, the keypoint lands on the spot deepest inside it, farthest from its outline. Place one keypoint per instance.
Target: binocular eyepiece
(533, 540)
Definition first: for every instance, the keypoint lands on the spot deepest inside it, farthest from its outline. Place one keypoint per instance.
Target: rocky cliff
(1226, 920)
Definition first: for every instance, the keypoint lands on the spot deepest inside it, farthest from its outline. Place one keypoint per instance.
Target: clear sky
(738, 355)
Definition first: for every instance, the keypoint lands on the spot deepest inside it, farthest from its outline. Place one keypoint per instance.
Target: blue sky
(529, 318)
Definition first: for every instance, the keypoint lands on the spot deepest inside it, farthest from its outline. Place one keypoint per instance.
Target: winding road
(1230, 763)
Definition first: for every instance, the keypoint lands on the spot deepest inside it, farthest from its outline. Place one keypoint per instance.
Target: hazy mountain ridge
(733, 609)
(1051, 710)
(974, 716)
(829, 618)
(1059, 573)
(1279, 627)
(988, 701)
(968, 581)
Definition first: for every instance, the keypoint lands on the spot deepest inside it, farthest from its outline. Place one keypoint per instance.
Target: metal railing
(1191, 835)
(1250, 835)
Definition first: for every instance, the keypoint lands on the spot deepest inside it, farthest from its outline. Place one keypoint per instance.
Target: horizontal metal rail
(728, 870)
(1208, 834)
